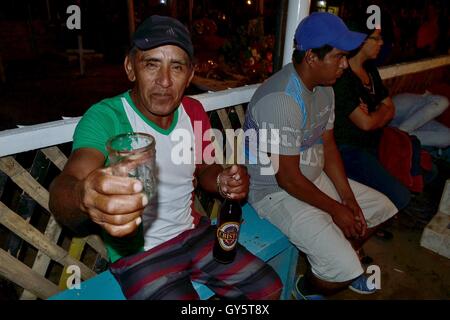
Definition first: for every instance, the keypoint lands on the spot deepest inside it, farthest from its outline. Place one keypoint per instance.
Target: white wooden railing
(57, 132)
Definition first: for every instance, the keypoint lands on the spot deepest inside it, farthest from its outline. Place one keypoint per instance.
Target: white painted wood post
(297, 10)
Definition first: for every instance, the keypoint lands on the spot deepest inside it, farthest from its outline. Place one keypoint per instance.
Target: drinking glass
(133, 155)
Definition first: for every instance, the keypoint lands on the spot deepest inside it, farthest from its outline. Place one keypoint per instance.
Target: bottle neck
(229, 201)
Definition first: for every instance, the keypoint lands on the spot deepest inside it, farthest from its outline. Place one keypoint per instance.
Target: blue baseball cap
(321, 28)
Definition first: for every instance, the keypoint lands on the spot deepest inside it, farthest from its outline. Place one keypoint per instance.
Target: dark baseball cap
(157, 31)
(323, 28)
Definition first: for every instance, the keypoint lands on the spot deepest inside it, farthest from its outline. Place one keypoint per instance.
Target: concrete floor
(408, 271)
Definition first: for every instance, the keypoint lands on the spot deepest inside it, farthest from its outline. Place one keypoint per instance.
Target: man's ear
(191, 76)
(311, 57)
(129, 69)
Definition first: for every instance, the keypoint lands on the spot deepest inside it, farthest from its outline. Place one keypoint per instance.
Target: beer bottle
(228, 224)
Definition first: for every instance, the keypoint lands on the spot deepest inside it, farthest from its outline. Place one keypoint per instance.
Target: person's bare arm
(334, 168)
(86, 190)
(290, 178)
(374, 120)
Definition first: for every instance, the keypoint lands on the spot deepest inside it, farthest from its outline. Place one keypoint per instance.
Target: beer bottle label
(227, 234)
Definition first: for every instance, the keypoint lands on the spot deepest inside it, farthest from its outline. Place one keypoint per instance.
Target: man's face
(331, 66)
(161, 75)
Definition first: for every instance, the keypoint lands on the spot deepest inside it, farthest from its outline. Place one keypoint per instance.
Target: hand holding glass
(133, 155)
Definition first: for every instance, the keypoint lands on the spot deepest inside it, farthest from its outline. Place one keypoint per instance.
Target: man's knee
(381, 210)
(441, 101)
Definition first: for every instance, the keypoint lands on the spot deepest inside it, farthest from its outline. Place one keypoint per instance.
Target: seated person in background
(298, 181)
(178, 242)
(416, 113)
(364, 108)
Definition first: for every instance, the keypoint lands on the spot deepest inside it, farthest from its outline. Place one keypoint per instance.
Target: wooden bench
(258, 236)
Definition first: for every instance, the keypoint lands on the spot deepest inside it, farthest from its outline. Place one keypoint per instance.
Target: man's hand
(115, 203)
(234, 182)
(353, 205)
(347, 222)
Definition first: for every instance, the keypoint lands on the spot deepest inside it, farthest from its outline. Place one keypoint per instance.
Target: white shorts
(313, 231)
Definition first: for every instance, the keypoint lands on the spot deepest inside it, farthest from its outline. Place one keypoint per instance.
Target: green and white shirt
(171, 210)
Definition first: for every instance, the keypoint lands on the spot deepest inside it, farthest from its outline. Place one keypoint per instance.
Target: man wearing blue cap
(308, 196)
(157, 246)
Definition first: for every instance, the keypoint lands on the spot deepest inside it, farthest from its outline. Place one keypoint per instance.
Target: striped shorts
(165, 271)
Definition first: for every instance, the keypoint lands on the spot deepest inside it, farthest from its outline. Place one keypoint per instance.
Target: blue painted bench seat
(259, 236)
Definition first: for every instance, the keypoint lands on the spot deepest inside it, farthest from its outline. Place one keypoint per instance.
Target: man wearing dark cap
(157, 247)
(306, 193)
